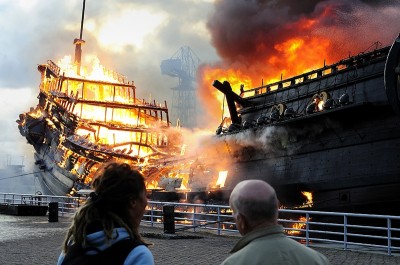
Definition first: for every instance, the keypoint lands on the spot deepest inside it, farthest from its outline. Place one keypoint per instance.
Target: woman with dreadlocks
(105, 229)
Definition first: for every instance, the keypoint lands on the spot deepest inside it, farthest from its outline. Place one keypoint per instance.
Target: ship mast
(78, 44)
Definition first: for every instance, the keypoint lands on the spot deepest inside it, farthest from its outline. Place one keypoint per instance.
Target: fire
(95, 72)
(320, 105)
(309, 197)
(95, 114)
(235, 77)
(269, 54)
(298, 226)
(291, 57)
(299, 55)
(36, 113)
(222, 178)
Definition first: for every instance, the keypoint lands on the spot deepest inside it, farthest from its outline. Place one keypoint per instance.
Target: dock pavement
(35, 240)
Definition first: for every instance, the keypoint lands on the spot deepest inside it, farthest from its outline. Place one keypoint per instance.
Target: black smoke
(246, 31)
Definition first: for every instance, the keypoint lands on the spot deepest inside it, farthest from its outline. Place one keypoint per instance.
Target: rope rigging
(16, 176)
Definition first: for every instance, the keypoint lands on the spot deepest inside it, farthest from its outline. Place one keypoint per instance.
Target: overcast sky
(133, 37)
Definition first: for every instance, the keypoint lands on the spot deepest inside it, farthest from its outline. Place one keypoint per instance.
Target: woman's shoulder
(140, 255)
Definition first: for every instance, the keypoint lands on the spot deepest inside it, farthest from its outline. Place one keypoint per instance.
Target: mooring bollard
(53, 211)
(169, 219)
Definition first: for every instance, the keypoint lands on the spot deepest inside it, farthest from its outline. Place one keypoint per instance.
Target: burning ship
(83, 120)
(80, 123)
(333, 132)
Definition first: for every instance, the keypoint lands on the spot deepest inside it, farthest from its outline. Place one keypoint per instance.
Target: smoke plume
(248, 32)
(264, 40)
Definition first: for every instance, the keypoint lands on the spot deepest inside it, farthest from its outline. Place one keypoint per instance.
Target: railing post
(152, 215)
(194, 218)
(219, 220)
(389, 228)
(307, 229)
(345, 232)
(62, 208)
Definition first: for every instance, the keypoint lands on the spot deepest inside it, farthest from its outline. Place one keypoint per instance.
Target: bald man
(255, 210)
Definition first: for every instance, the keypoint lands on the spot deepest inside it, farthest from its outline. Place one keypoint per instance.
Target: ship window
(287, 84)
(299, 80)
(327, 71)
(313, 75)
(274, 87)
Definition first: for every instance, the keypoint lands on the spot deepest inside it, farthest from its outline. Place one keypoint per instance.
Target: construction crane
(183, 65)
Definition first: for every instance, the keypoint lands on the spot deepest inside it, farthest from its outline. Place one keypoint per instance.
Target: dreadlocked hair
(115, 185)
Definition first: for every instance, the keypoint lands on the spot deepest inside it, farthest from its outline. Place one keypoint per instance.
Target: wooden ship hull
(80, 123)
(334, 132)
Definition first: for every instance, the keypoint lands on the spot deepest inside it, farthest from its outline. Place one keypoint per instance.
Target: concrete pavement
(33, 240)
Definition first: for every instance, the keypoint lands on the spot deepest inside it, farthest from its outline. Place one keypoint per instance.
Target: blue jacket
(140, 255)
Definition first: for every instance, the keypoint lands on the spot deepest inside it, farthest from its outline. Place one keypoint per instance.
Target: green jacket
(271, 246)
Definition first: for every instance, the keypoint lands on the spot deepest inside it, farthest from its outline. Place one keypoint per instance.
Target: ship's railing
(348, 231)
(345, 64)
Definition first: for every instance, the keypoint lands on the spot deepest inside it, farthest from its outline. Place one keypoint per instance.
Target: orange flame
(222, 178)
(309, 197)
(108, 93)
(95, 72)
(292, 57)
(298, 226)
(235, 77)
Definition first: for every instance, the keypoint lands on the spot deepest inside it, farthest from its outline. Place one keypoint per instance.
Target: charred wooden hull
(334, 132)
(80, 123)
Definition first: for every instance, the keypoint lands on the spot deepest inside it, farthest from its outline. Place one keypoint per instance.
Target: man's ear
(242, 222)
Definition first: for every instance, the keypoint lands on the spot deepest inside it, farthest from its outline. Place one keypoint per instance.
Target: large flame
(95, 113)
(236, 78)
(95, 71)
(292, 57)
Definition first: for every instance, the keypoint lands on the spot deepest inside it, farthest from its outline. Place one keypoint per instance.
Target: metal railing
(347, 230)
(66, 205)
(313, 228)
(189, 216)
(341, 230)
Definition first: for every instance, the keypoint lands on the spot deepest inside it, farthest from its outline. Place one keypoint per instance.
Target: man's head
(254, 204)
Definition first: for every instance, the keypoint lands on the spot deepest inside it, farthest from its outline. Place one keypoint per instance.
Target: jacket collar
(257, 233)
